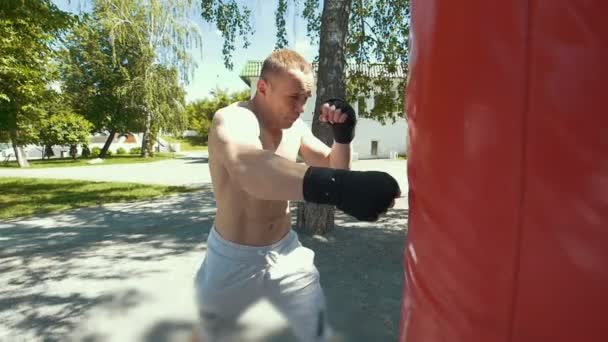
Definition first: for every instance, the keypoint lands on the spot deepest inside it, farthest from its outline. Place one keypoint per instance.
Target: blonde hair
(282, 60)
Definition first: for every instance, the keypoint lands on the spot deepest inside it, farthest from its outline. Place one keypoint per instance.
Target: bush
(95, 152)
(120, 150)
(86, 152)
(135, 150)
(109, 153)
(65, 128)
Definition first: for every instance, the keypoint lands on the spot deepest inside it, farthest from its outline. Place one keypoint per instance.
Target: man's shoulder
(236, 108)
(234, 112)
(234, 123)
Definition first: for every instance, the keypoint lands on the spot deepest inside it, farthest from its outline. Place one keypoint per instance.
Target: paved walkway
(123, 272)
(190, 169)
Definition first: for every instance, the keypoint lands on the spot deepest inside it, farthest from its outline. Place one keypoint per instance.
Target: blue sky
(211, 72)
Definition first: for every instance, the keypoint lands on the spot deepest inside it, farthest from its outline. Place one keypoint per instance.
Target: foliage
(86, 152)
(169, 104)
(378, 38)
(95, 152)
(232, 20)
(200, 113)
(378, 35)
(27, 30)
(135, 150)
(162, 32)
(95, 86)
(65, 129)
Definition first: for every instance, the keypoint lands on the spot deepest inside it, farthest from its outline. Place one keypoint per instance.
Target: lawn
(188, 143)
(114, 159)
(24, 196)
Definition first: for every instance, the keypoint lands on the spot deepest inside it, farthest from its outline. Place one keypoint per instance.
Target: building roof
(253, 68)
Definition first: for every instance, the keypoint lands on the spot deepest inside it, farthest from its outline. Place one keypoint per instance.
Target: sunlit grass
(26, 196)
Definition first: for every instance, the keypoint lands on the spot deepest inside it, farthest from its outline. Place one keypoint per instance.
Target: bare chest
(286, 144)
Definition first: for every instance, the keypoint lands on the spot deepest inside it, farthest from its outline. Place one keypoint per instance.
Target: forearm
(340, 156)
(266, 176)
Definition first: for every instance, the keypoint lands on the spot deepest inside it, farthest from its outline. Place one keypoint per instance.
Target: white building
(372, 139)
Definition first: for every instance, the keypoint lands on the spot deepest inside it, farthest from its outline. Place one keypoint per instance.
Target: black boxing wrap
(362, 194)
(344, 132)
(322, 185)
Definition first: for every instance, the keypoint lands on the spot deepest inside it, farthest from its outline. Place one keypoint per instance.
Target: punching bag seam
(523, 165)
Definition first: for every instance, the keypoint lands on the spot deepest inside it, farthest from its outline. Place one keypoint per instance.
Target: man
(251, 250)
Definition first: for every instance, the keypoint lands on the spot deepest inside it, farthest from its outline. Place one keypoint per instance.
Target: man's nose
(300, 107)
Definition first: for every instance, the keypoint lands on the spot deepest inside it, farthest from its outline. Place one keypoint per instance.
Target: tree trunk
(145, 141)
(107, 144)
(331, 82)
(48, 152)
(73, 151)
(21, 159)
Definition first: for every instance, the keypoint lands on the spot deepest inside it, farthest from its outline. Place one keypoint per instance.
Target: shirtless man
(251, 250)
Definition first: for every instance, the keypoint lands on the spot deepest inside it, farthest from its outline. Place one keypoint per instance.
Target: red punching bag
(508, 172)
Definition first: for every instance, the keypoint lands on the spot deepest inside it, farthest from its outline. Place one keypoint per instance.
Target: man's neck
(257, 107)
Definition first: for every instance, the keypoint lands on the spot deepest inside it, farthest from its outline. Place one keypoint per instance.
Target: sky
(211, 72)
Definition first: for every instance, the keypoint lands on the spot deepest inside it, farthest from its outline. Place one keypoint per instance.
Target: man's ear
(262, 86)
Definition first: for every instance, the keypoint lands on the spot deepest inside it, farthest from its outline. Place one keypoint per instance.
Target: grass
(114, 159)
(188, 143)
(23, 197)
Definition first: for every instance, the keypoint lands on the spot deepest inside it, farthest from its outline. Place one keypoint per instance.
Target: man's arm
(316, 153)
(234, 141)
(341, 116)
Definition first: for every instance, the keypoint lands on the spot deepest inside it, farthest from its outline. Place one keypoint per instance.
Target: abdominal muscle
(249, 221)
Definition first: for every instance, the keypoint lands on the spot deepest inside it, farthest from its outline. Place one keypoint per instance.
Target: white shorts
(232, 277)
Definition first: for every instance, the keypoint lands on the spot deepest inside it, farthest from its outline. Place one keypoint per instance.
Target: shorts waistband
(229, 249)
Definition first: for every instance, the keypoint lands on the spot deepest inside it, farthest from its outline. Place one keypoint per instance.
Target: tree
(331, 82)
(163, 31)
(167, 103)
(65, 129)
(378, 38)
(97, 87)
(27, 29)
(54, 103)
(200, 113)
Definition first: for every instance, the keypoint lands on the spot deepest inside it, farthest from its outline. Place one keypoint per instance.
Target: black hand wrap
(344, 132)
(362, 194)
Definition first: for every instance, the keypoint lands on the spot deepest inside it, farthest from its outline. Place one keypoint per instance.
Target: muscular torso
(242, 218)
